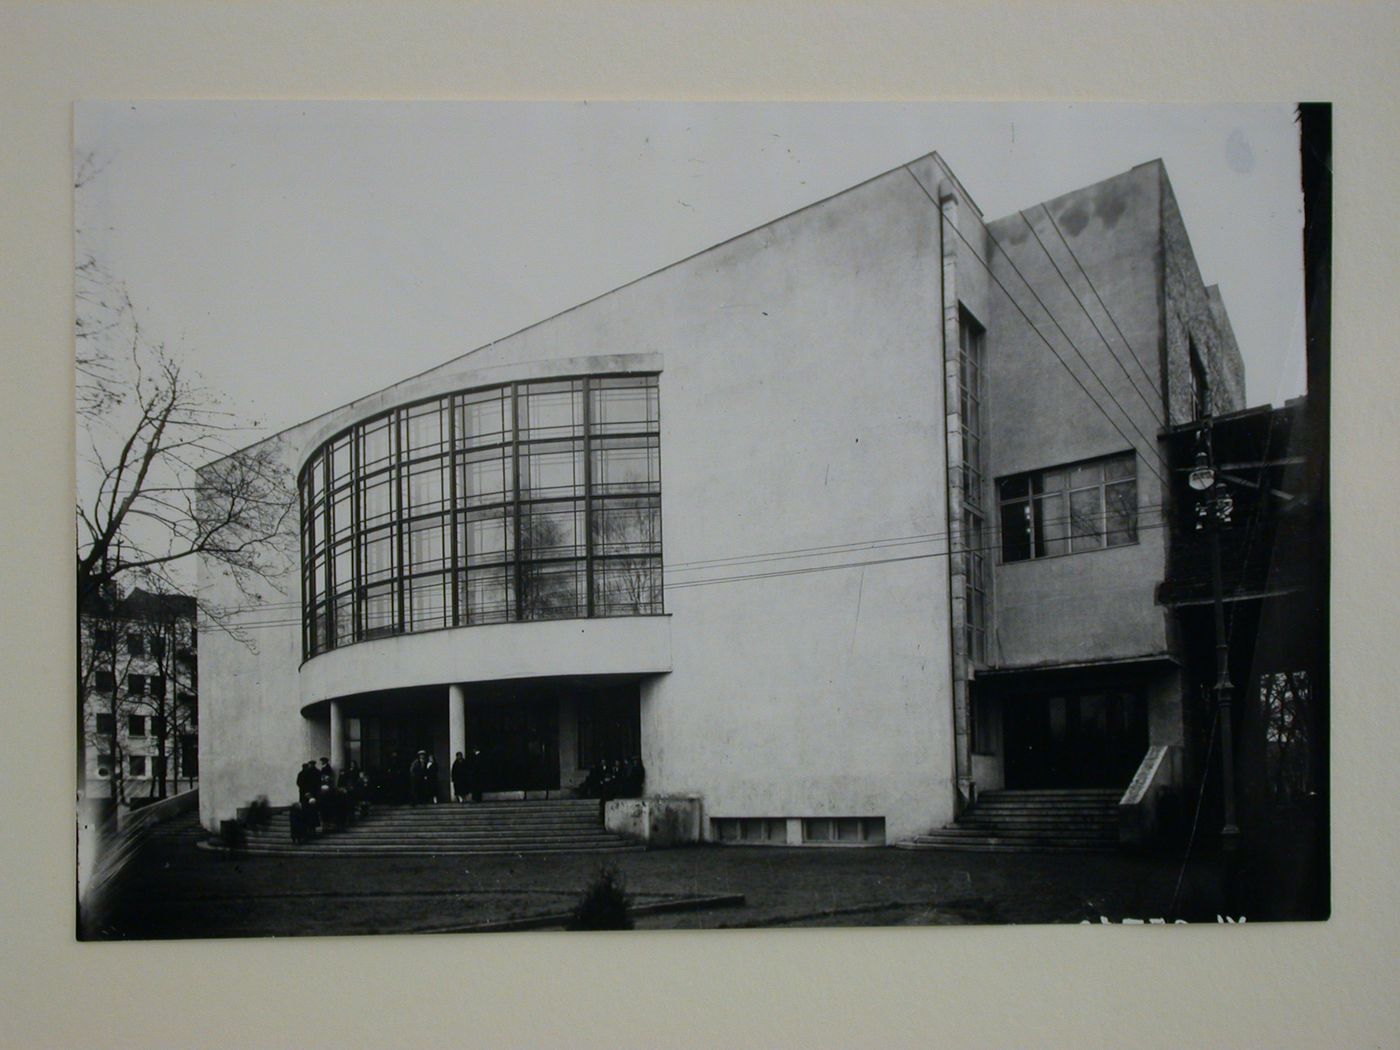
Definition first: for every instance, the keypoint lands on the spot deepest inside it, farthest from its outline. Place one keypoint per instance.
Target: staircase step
(534, 826)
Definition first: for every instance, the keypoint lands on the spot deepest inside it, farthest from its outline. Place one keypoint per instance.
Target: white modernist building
(833, 525)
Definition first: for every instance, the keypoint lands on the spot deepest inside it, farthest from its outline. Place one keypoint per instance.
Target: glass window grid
(1045, 501)
(535, 418)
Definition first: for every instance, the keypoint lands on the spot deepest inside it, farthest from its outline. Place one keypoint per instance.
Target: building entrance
(518, 744)
(1084, 740)
(384, 746)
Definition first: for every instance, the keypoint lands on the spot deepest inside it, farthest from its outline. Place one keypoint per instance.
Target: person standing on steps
(431, 791)
(417, 779)
(459, 777)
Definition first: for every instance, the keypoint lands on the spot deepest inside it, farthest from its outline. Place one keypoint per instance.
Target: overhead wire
(1151, 445)
(1111, 319)
(799, 571)
(1155, 409)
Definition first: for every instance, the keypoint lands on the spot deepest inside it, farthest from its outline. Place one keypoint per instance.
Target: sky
(301, 255)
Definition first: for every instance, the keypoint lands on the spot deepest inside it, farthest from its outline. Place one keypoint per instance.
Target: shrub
(604, 904)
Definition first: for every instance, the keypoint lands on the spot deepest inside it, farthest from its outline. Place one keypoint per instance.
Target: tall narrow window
(971, 339)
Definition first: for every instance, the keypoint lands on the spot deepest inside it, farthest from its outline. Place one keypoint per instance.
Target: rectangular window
(769, 831)
(551, 590)
(157, 686)
(136, 764)
(104, 681)
(624, 405)
(136, 725)
(971, 337)
(844, 830)
(105, 724)
(379, 612)
(157, 647)
(423, 430)
(484, 418)
(551, 410)
(488, 595)
(626, 465)
(136, 644)
(551, 471)
(485, 477)
(1066, 510)
(427, 545)
(428, 602)
(158, 766)
(551, 530)
(157, 726)
(426, 487)
(102, 640)
(629, 586)
(486, 536)
(136, 684)
(627, 526)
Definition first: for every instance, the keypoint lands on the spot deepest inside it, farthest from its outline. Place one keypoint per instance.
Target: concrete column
(456, 723)
(337, 755)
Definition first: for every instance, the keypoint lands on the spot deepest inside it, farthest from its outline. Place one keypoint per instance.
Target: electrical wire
(1040, 335)
(1154, 409)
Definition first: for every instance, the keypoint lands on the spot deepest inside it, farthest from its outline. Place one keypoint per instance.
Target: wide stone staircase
(1071, 820)
(544, 826)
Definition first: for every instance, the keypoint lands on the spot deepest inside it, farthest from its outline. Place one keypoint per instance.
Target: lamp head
(1202, 476)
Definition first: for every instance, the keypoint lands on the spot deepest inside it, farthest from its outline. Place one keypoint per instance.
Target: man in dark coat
(308, 787)
(417, 778)
(459, 777)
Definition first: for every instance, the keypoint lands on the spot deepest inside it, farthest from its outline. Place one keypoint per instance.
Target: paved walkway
(176, 890)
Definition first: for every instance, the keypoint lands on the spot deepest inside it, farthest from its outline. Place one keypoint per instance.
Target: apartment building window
(102, 640)
(1069, 509)
(136, 643)
(136, 725)
(136, 765)
(136, 684)
(104, 724)
(104, 681)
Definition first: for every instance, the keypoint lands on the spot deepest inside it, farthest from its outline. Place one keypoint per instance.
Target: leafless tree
(146, 424)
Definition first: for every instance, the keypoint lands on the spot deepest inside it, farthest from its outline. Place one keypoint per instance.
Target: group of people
(326, 800)
(465, 775)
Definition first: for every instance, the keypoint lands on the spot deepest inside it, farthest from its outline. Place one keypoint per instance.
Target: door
(519, 744)
(1083, 740)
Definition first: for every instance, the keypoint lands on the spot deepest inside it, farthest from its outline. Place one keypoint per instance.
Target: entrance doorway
(519, 744)
(1083, 740)
(384, 746)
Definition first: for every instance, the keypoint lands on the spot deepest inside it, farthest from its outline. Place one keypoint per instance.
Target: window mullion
(453, 513)
(515, 501)
(588, 496)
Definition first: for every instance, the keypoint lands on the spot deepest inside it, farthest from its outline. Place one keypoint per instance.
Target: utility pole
(1214, 511)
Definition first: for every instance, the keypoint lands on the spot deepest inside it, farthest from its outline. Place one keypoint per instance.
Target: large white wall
(801, 406)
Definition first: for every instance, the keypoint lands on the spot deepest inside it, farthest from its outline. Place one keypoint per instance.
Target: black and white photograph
(506, 516)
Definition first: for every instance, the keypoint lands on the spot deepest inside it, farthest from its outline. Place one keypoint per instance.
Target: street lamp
(1214, 510)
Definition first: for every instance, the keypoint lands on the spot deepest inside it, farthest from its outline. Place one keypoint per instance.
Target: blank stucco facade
(807, 660)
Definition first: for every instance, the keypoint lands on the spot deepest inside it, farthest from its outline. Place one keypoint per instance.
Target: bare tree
(146, 424)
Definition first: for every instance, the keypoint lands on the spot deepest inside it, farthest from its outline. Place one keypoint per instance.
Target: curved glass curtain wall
(526, 501)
